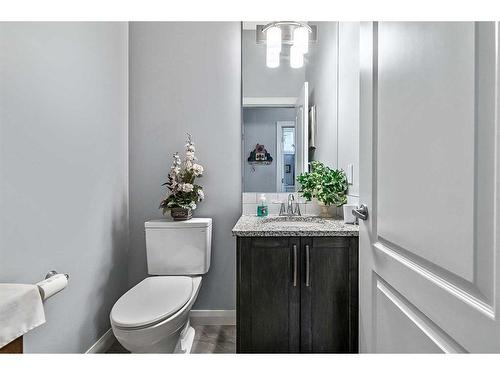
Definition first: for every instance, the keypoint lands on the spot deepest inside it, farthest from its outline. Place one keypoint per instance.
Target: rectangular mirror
(288, 69)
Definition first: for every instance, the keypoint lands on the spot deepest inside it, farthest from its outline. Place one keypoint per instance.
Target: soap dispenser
(262, 209)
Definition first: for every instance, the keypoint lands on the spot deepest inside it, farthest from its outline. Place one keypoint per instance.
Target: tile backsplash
(274, 200)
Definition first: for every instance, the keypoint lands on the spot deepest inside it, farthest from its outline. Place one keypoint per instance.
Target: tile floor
(208, 339)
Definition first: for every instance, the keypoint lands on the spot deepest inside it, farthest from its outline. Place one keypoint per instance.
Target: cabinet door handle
(295, 265)
(308, 273)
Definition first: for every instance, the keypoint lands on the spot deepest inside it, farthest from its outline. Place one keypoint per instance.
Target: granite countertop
(283, 226)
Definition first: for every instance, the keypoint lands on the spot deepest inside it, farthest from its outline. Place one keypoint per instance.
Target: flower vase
(324, 210)
(180, 214)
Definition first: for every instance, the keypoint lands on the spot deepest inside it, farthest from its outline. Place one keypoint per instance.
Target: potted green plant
(184, 193)
(327, 185)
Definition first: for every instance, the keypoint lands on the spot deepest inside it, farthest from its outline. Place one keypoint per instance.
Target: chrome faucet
(290, 209)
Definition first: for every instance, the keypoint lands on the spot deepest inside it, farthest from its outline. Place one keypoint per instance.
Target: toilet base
(186, 339)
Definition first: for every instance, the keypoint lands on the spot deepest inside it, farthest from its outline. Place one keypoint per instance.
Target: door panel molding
(452, 314)
(485, 165)
(426, 138)
(477, 288)
(445, 342)
(467, 293)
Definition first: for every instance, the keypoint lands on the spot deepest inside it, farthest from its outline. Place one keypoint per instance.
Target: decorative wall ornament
(260, 156)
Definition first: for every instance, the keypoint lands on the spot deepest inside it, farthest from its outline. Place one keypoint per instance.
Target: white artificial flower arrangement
(184, 193)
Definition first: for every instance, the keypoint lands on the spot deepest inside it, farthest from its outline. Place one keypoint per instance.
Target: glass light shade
(296, 57)
(301, 39)
(273, 39)
(272, 59)
(273, 47)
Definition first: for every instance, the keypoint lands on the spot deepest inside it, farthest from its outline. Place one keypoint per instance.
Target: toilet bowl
(153, 316)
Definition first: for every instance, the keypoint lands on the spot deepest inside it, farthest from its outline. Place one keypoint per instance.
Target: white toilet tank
(178, 247)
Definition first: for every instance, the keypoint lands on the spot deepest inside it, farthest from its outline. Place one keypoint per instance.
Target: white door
(429, 167)
(302, 130)
(285, 156)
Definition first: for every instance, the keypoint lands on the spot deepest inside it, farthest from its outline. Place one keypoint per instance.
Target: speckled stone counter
(282, 226)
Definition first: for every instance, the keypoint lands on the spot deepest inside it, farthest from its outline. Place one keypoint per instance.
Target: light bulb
(272, 59)
(296, 57)
(273, 47)
(301, 39)
(273, 38)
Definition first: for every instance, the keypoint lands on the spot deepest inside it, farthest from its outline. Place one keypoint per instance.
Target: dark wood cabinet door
(329, 296)
(268, 300)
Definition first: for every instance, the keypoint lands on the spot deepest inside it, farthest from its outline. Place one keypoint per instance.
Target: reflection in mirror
(273, 128)
(289, 80)
(285, 150)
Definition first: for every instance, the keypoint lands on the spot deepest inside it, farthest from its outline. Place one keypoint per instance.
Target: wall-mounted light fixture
(298, 35)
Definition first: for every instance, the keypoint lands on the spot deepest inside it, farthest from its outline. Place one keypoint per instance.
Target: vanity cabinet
(297, 294)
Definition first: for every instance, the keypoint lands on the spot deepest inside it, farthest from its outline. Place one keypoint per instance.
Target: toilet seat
(165, 335)
(151, 301)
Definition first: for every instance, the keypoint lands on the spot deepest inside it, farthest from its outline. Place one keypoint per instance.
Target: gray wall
(63, 172)
(321, 73)
(261, 81)
(333, 75)
(186, 77)
(259, 126)
(348, 103)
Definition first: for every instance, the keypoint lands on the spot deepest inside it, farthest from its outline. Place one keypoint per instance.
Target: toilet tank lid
(195, 222)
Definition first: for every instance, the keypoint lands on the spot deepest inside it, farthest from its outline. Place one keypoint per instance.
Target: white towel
(21, 310)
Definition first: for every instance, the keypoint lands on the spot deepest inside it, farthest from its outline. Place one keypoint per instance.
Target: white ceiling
(252, 25)
(247, 25)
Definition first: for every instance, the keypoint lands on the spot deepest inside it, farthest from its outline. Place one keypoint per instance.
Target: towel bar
(52, 273)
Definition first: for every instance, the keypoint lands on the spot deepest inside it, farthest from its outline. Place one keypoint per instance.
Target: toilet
(153, 316)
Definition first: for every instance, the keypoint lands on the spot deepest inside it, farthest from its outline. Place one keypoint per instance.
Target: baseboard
(213, 317)
(198, 317)
(103, 344)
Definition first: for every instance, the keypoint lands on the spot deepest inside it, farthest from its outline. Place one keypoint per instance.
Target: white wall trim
(103, 344)
(213, 317)
(269, 101)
